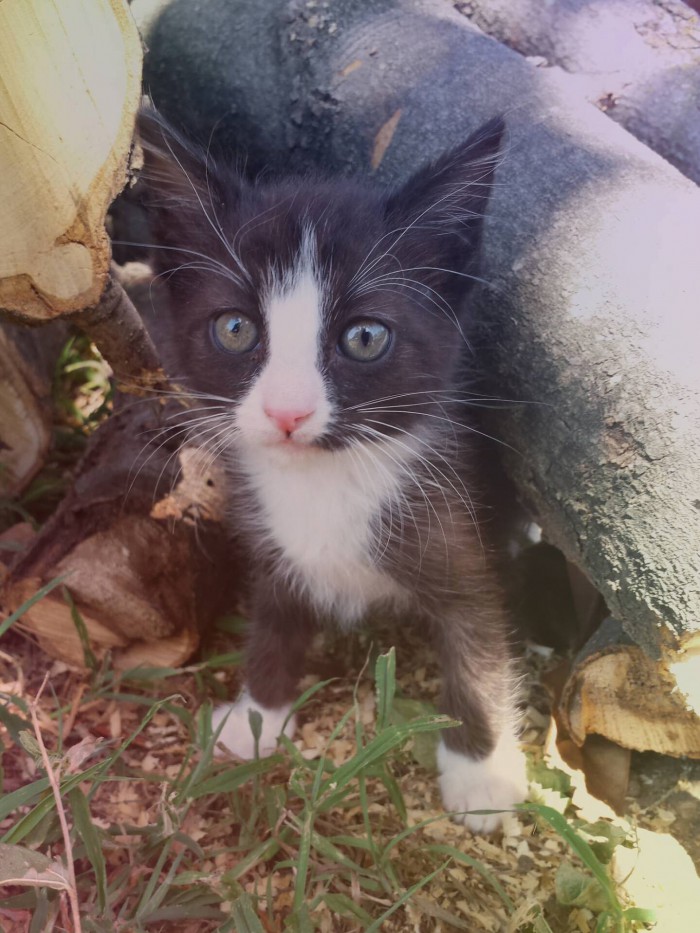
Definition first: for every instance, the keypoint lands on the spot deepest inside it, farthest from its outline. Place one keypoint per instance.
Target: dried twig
(56, 790)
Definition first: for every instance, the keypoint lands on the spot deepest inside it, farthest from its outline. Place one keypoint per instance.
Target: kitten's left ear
(450, 195)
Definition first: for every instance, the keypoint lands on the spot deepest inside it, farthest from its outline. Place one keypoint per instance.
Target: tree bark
(118, 331)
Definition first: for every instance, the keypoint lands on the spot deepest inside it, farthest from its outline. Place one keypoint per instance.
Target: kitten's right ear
(173, 167)
(182, 190)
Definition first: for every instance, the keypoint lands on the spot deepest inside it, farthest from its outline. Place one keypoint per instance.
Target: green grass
(312, 822)
(82, 390)
(82, 397)
(279, 822)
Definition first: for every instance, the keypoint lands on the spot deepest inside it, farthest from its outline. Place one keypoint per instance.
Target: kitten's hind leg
(481, 764)
(279, 633)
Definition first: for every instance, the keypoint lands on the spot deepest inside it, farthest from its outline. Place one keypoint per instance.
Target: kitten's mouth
(292, 445)
(297, 446)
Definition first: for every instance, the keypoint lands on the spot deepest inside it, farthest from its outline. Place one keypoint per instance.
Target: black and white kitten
(321, 324)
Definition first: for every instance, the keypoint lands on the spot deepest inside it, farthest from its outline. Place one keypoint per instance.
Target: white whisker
(216, 227)
(213, 265)
(432, 468)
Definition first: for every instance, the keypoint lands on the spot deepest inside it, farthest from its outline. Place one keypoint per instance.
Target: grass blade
(385, 680)
(561, 826)
(244, 916)
(406, 896)
(84, 826)
(22, 797)
(148, 911)
(261, 853)
(376, 750)
(32, 819)
(153, 881)
(91, 662)
(392, 788)
(478, 866)
(229, 779)
(345, 906)
(303, 863)
(329, 851)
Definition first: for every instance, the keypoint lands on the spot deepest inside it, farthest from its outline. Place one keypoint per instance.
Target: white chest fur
(320, 509)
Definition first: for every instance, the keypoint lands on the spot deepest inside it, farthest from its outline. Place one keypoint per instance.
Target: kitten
(322, 323)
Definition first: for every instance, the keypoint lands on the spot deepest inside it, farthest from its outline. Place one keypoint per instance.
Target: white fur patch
(291, 379)
(236, 734)
(496, 782)
(319, 509)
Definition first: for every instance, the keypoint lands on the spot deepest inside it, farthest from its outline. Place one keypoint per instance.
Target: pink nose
(288, 419)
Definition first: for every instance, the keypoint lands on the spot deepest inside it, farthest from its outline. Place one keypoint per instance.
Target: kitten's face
(319, 314)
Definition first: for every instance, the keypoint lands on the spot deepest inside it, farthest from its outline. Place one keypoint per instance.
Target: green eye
(235, 332)
(365, 341)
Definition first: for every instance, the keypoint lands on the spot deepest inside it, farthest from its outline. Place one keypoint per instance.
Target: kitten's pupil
(235, 332)
(365, 341)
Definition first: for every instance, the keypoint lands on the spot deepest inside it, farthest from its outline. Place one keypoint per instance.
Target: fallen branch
(117, 330)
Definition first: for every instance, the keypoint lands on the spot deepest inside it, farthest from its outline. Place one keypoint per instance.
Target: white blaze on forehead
(294, 316)
(290, 380)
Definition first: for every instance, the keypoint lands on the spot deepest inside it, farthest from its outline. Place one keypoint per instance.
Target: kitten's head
(318, 312)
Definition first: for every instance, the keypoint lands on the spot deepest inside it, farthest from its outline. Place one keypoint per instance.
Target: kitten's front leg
(481, 764)
(280, 629)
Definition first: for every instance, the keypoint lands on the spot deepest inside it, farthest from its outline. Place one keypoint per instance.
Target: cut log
(141, 563)
(140, 543)
(68, 99)
(639, 61)
(27, 366)
(615, 690)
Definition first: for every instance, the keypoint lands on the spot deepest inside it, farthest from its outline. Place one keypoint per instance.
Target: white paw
(496, 782)
(236, 734)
